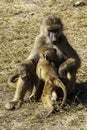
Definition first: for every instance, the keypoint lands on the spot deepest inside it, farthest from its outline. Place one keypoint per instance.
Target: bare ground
(19, 25)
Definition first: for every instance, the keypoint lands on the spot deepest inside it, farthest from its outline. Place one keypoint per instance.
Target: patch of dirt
(19, 25)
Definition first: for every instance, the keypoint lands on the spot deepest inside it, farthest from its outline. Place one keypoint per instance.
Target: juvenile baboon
(46, 71)
(51, 33)
(27, 81)
(23, 72)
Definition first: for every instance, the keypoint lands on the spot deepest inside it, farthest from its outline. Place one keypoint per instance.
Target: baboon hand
(62, 72)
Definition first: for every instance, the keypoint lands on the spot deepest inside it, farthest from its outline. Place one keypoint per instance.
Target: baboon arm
(34, 57)
(33, 54)
(68, 51)
(60, 84)
(67, 66)
(21, 88)
(39, 42)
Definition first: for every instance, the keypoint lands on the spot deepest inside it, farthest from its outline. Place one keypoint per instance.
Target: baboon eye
(53, 31)
(56, 31)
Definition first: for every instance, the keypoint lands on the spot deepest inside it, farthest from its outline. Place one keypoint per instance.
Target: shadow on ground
(80, 95)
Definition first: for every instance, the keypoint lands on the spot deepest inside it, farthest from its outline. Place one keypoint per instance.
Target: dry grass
(19, 25)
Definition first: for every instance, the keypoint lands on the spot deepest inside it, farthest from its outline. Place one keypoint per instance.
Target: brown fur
(45, 71)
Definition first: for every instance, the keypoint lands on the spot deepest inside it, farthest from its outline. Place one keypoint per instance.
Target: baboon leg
(70, 82)
(33, 93)
(22, 87)
(46, 98)
(39, 90)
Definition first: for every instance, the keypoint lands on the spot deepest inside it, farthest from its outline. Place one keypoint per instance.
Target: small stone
(79, 4)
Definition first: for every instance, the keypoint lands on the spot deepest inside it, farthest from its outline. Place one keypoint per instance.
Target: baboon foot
(13, 105)
(31, 98)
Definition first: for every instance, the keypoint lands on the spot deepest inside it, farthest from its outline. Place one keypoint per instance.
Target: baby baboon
(46, 71)
(51, 33)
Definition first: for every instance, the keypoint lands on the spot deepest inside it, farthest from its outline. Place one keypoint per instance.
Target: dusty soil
(19, 25)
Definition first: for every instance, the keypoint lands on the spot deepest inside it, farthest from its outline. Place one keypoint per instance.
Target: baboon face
(52, 27)
(53, 35)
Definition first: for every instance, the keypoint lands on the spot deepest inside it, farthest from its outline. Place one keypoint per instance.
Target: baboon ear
(43, 56)
(46, 55)
(42, 17)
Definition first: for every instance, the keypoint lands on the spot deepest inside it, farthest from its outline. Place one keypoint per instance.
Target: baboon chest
(60, 56)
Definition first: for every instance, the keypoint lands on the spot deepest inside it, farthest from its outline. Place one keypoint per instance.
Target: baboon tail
(12, 80)
(60, 84)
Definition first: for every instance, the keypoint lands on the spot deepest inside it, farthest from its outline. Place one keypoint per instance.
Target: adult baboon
(51, 33)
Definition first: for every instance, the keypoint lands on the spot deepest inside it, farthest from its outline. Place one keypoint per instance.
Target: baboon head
(52, 27)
